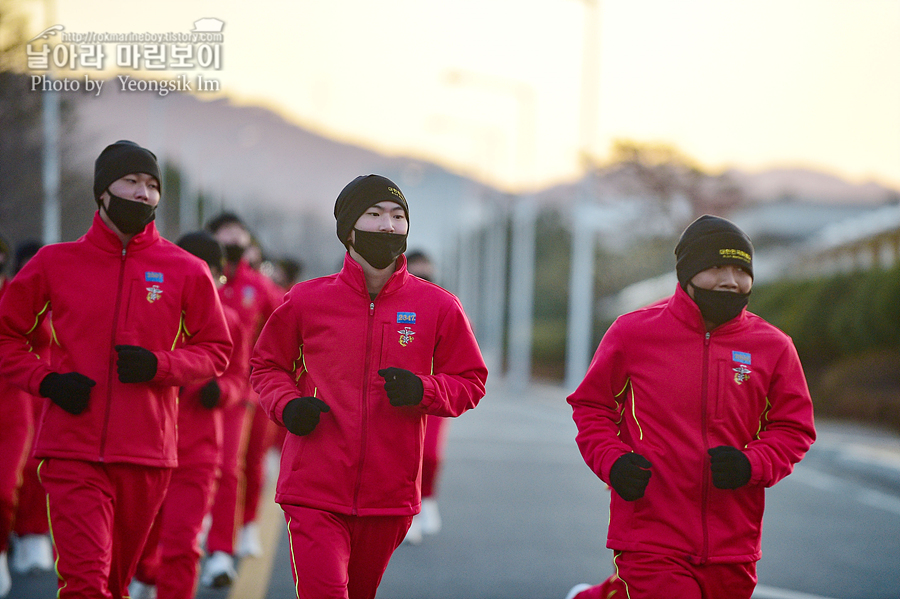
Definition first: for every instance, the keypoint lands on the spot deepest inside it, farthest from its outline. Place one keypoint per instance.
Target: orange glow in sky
(494, 88)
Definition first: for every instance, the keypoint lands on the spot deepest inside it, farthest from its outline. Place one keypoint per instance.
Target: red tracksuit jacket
(152, 294)
(199, 428)
(328, 340)
(661, 386)
(252, 295)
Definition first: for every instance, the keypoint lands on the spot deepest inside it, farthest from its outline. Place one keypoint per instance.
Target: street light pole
(521, 292)
(50, 167)
(584, 226)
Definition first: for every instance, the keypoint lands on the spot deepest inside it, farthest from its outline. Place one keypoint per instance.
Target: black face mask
(129, 216)
(233, 253)
(718, 307)
(379, 249)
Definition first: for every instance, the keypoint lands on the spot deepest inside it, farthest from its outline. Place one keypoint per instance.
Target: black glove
(629, 476)
(403, 387)
(301, 415)
(210, 394)
(70, 391)
(135, 364)
(730, 467)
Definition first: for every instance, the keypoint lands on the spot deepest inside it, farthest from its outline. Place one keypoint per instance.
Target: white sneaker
(5, 578)
(218, 571)
(140, 590)
(431, 517)
(248, 544)
(577, 589)
(414, 534)
(33, 552)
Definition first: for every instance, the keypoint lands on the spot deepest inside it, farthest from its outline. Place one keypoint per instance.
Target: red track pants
(228, 503)
(172, 552)
(31, 517)
(262, 433)
(16, 431)
(100, 516)
(340, 557)
(651, 576)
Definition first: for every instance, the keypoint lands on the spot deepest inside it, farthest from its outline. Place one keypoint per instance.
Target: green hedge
(835, 317)
(846, 329)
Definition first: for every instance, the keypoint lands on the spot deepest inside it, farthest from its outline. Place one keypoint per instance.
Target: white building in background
(871, 240)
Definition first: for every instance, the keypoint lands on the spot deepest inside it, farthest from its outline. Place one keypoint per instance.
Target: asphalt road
(524, 518)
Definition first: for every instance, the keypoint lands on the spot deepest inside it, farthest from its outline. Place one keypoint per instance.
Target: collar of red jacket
(686, 310)
(106, 239)
(352, 274)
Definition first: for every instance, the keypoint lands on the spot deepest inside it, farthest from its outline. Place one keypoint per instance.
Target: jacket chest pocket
(143, 306)
(737, 391)
(404, 346)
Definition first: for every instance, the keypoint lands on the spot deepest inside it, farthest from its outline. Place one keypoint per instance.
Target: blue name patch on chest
(406, 318)
(155, 277)
(741, 357)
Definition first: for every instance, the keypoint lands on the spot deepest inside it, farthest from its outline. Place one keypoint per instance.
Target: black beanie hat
(204, 246)
(25, 251)
(711, 241)
(120, 159)
(360, 194)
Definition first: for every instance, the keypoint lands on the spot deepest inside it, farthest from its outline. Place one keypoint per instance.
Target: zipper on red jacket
(111, 376)
(704, 399)
(365, 407)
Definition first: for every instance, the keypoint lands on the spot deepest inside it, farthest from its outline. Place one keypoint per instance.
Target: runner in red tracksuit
(16, 431)
(33, 549)
(172, 552)
(247, 433)
(262, 430)
(351, 363)
(690, 409)
(134, 318)
(428, 521)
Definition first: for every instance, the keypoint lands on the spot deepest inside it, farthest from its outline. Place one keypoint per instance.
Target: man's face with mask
(381, 219)
(235, 239)
(140, 188)
(721, 292)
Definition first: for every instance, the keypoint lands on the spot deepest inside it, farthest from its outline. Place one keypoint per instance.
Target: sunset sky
(494, 88)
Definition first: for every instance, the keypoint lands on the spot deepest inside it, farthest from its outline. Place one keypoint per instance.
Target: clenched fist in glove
(301, 415)
(70, 391)
(403, 387)
(629, 476)
(135, 364)
(730, 467)
(210, 394)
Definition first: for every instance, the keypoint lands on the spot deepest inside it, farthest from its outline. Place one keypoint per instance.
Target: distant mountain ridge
(809, 185)
(249, 152)
(243, 153)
